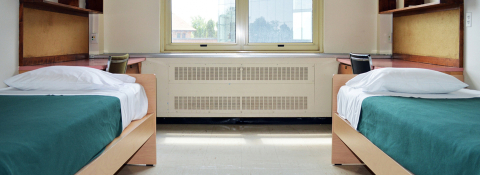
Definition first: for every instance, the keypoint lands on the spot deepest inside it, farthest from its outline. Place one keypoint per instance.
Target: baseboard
(236, 120)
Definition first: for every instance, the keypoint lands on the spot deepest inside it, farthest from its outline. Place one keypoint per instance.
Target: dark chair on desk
(117, 64)
(360, 63)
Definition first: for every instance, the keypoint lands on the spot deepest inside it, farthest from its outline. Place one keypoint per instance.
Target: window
(280, 23)
(242, 25)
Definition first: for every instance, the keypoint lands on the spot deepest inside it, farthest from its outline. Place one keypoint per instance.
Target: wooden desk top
(93, 63)
(381, 63)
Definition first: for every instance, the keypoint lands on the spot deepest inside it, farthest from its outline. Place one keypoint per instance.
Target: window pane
(280, 21)
(203, 21)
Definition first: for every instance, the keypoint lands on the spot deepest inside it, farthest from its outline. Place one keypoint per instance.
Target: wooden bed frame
(351, 147)
(137, 143)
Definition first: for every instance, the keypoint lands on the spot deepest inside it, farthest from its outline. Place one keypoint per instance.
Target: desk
(134, 65)
(346, 68)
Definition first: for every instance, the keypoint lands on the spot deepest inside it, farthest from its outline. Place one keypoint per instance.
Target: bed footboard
(371, 155)
(341, 154)
(147, 154)
(351, 147)
(137, 143)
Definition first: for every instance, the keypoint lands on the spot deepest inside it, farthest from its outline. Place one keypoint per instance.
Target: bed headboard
(340, 79)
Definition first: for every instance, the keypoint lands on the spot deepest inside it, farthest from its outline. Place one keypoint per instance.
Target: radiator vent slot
(207, 103)
(241, 103)
(274, 103)
(241, 73)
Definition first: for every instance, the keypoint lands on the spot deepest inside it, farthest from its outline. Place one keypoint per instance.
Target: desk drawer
(134, 69)
(344, 69)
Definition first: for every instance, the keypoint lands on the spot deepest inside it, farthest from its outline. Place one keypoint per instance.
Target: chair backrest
(117, 64)
(360, 63)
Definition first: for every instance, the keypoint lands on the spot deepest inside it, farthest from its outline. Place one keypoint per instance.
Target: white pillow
(406, 80)
(65, 78)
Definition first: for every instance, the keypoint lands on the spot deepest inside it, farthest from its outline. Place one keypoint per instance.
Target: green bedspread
(55, 134)
(426, 136)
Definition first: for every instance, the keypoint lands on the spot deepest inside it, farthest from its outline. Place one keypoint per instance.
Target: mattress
(132, 96)
(349, 100)
(55, 134)
(426, 136)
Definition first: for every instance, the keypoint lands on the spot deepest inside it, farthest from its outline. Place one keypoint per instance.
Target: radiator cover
(243, 88)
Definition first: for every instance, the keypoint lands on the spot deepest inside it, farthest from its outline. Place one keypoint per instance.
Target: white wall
(384, 33)
(472, 46)
(101, 33)
(131, 26)
(94, 48)
(96, 26)
(350, 26)
(8, 39)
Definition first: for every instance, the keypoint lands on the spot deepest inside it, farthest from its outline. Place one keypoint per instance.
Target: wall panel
(430, 34)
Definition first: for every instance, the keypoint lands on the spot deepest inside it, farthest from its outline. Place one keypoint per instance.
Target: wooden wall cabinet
(66, 6)
(79, 30)
(418, 6)
(416, 12)
(74, 3)
(385, 5)
(408, 3)
(96, 5)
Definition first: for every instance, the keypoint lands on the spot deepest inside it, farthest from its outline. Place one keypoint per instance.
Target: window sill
(239, 55)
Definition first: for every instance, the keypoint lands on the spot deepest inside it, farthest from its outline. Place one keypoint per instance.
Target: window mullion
(242, 23)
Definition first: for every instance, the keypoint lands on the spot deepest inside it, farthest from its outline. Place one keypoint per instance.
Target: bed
(350, 146)
(131, 143)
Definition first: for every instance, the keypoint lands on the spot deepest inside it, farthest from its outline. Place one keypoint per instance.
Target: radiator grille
(241, 73)
(241, 103)
(274, 103)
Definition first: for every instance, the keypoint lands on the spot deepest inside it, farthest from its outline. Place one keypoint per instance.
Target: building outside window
(181, 29)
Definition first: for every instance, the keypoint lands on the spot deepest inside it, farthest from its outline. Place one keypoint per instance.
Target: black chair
(360, 63)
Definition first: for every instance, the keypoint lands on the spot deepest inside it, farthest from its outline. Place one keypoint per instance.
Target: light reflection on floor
(203, 141)
(243, 149)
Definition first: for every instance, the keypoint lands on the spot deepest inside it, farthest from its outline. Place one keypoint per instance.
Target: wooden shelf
(387, 7)
(412, 8)
(58, 7)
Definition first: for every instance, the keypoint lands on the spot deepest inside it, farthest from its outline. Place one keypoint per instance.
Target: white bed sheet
(133, 99)
(349, 100)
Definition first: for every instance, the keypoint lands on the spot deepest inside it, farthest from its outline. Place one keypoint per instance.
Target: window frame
(241, 38)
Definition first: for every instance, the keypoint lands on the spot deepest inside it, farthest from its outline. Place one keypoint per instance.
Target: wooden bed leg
(341, 154)
(147, 154)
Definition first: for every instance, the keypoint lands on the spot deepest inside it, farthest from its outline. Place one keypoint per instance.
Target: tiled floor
(243, 149)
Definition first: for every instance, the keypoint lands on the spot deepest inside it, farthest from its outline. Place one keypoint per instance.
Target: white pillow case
(65, 78)
(406, 80)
